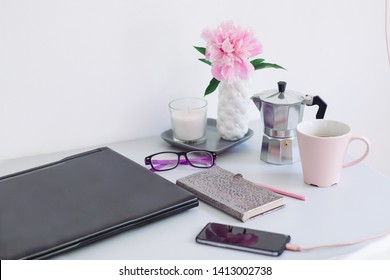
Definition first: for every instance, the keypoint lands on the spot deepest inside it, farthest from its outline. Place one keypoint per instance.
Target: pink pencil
(282, 192)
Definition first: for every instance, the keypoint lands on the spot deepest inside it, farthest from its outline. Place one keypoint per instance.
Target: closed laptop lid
(80, 199)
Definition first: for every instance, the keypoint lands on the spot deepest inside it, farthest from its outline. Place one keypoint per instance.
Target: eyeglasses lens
(164, 161)
(200, 159)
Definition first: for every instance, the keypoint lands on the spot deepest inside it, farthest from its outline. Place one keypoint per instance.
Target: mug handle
(355, 161)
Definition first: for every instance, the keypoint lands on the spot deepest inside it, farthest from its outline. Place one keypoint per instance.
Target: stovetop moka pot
(281, 112)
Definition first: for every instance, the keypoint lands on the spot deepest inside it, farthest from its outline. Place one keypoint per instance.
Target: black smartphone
(244, 239)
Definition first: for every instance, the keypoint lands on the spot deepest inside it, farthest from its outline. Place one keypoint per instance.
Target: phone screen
(243, 239)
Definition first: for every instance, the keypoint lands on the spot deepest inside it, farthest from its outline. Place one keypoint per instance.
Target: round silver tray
(213, 143)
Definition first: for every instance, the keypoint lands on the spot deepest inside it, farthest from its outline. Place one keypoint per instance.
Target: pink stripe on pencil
(282, 192)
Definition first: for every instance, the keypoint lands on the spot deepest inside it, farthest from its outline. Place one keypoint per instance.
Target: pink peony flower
(228, 49)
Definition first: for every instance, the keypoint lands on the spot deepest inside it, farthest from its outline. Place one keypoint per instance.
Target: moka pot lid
(280, 96)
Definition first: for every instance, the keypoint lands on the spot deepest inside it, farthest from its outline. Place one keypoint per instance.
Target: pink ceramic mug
(322, 147)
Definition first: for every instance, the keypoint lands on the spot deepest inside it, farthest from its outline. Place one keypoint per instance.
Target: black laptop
(81, 199)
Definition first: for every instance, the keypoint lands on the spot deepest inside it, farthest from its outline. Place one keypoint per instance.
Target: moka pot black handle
(316, 100)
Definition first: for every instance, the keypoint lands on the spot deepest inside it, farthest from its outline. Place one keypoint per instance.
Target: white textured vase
(232, 115)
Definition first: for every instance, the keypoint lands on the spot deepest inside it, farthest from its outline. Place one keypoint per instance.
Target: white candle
(188, 125)
(189, 119)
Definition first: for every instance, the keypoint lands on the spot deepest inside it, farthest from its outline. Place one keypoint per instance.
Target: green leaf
(212, 86)
(201, 50)
(256, 62)
(205, 61)
(267, 65)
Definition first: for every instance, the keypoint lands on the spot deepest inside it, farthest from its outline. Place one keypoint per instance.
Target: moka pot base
(279, 150)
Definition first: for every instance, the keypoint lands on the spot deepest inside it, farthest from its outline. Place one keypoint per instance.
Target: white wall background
(88, 72)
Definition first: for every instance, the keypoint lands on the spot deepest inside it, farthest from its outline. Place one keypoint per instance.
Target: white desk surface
(359, 206)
